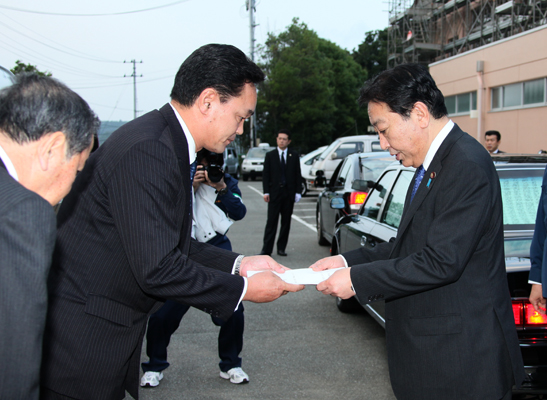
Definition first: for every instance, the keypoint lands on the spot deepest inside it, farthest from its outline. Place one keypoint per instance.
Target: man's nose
(384, 143)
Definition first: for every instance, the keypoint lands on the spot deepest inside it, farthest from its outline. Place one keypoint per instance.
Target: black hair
(286, 132)
(35, 106)
(222, 67)
(401, 87)
(490, 133)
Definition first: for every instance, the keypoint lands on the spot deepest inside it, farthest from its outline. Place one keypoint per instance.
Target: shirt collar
(437, 143)
(281, 151)
(9, 165)
(189, 137)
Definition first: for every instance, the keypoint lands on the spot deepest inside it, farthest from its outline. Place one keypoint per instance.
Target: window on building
(519, 95)
(461, 103)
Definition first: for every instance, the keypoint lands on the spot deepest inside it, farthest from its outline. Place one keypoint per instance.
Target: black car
(520, 180)
(357, 167)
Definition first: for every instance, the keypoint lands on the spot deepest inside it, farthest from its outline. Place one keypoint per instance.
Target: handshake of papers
(302, 276)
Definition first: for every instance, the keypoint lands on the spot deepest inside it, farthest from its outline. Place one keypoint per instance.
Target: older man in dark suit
(282, 187)
(124, 242)
(46, 131)
(449, 324)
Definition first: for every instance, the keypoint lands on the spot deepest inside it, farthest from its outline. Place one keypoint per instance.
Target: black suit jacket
(27, 237)
(271, 176)
(449, 322)
(124, 246)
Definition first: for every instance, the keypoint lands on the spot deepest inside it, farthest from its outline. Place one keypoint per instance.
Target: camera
(214, 169)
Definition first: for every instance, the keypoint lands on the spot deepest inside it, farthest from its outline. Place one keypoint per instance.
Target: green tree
(372, 53)
(311, 87)
(22, 67)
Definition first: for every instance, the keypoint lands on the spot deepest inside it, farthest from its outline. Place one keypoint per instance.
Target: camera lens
(215, 173)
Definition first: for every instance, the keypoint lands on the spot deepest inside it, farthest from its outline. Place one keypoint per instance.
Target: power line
(92, 15)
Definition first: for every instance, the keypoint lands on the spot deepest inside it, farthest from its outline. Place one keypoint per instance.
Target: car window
(345, 172)
(375, 146)
(393, 210)
(371, 168)
(348, 148)
(371, 208)
(520, 192)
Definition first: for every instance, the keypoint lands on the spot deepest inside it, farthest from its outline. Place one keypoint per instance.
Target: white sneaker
(151, 379)
(235, 375)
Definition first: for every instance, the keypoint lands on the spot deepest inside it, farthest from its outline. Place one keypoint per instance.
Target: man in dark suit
(492, 141)
(282, 187)
(124, 242)
(46, 131)
(449, 323)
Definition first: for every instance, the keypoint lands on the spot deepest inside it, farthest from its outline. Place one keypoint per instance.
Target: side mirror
(320, 178)
(333, 156)
(337, 203)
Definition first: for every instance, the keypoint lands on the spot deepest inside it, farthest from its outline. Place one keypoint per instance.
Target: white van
(336, 152)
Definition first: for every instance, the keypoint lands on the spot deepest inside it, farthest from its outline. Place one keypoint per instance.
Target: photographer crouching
(217, 204)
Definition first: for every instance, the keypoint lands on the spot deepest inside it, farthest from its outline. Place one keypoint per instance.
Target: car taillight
(535, 318)
(357, 198)
(526, 317)
(517, 312)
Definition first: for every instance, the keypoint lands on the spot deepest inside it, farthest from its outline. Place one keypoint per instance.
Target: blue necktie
(419, 177)
(193, 167)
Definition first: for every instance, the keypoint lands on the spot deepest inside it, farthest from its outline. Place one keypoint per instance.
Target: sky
(90, 45)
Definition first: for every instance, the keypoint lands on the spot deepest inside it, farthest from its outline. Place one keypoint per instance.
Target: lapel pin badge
(432, 176)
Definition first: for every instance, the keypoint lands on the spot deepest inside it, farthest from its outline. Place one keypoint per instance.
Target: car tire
(348, 306)
(253, 178)
(320, 238)
(304, 188)
(245, 177)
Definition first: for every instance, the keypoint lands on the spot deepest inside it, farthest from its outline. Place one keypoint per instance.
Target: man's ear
(422, 114)
(207, 99)
(51, 149)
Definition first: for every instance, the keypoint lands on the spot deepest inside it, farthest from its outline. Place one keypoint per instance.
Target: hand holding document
(302, 276)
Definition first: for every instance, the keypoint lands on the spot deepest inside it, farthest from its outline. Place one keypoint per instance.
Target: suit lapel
(432, 175)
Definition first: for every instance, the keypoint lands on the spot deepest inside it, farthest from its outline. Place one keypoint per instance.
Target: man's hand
(199, 177)
(267, 198)
(266, 286)
(329, 263)
(260, 263)
(339, 284)
(537, 299)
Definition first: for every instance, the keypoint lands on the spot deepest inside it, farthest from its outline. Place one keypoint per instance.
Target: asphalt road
(298, 347)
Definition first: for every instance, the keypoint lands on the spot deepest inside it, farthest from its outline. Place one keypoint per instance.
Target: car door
(356, 233)
(334, 189)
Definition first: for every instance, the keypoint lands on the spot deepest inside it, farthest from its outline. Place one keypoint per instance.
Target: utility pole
(251, 8)
(134, 75)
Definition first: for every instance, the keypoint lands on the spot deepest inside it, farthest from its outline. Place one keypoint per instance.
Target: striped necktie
(419, 177)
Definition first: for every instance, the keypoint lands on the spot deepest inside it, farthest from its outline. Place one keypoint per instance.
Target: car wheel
(253, 177)
(348, 306)
(304, 189)
(245, 177)
(320, 238)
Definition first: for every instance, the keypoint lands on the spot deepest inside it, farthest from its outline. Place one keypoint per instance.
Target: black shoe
(281, 253)
(263, 253)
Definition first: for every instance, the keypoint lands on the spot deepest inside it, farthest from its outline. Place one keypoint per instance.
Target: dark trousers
(164, 322)
(282, 205)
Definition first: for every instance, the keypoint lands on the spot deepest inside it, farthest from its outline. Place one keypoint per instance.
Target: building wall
(516, 59)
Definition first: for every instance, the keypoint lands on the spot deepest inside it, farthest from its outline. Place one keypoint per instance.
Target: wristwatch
(222, 192)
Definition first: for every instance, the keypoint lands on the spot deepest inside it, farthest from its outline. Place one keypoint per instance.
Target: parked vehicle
(520, 179)
(306, 162)
(231, 163)
(253, 164)
(323, 168)
(347, 189)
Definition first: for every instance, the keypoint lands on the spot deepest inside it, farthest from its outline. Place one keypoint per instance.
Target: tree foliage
(311, 88)
(372, 53)
(22, 67)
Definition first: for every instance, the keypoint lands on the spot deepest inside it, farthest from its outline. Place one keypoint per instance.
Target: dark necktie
(419, 177)
(283, 165)
(193, 167)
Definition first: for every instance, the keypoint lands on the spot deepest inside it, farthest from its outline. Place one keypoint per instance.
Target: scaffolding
(425, 31)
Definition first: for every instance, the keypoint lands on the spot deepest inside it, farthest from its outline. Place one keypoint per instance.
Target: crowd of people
(140, 236)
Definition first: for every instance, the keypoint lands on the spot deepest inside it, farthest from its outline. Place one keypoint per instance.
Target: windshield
(258, 152)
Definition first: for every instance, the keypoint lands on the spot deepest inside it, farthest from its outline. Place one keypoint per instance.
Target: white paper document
(302, 276)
